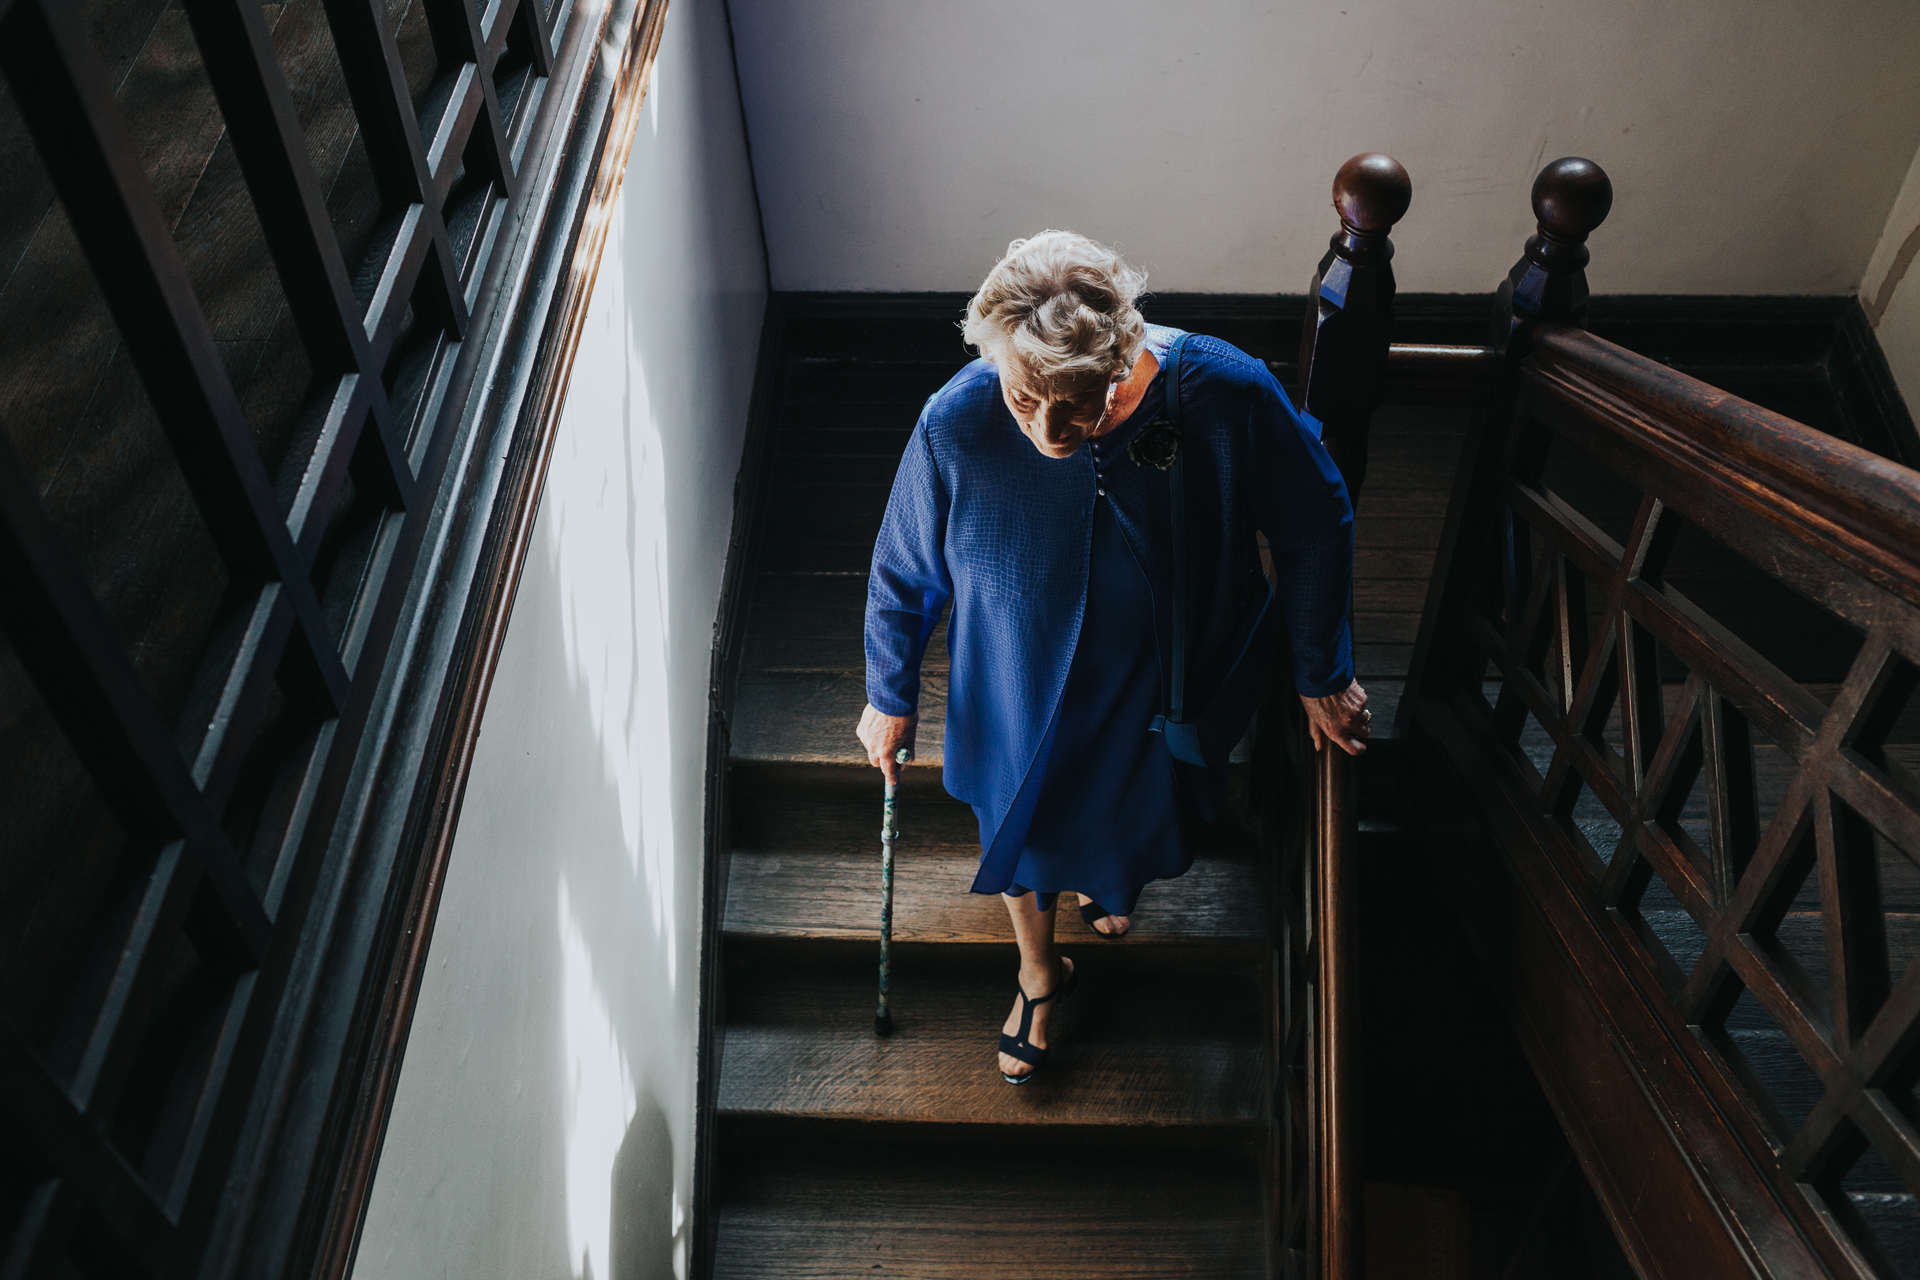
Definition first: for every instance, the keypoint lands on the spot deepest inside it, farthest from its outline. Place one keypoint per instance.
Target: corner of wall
(1890, 290)
(746, 134)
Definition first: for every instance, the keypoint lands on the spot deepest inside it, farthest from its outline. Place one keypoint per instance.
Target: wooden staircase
(1545, 1091)
(1150, 1145)
(1140, 1149)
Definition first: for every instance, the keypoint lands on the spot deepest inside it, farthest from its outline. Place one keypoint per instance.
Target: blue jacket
(980, 517)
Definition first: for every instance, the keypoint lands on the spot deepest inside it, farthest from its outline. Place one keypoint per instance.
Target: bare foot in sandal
(1026, 1026)
(1110, 925)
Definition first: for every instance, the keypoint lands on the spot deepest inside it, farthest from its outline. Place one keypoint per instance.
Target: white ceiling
(1755, 146)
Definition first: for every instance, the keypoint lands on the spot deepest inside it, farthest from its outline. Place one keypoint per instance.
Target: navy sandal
(1093, 913)
(1021, 1048)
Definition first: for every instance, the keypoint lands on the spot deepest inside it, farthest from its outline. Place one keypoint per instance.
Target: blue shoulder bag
(1207, 735)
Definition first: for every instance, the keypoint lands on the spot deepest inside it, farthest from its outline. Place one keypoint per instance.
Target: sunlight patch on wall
(608, 490)
(599, 1102)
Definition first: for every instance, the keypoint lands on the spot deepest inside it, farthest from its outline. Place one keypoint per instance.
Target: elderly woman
(1034, 497)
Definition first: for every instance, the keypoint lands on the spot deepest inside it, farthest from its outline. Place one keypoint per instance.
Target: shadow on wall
(643, 1175)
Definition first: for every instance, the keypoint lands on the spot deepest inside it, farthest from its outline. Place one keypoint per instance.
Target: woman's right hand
(883, 736)
(1340, 718)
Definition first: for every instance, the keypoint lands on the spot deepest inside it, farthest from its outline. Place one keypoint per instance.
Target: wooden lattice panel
(1698, 653)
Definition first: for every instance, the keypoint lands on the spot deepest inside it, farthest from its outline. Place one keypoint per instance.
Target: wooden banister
(1343, 363)
(1439, 374)
(1845, 502)
(1341, 1173)
(1678, 817)
(1571, 197)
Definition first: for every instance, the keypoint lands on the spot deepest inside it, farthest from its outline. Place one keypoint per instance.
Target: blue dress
(1107, 821)
(1061, 608)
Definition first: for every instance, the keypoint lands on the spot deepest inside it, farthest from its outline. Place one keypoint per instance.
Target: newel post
(1343, 342)
(1571, 197)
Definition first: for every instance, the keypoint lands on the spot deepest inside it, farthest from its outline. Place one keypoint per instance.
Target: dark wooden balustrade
(1664, 698)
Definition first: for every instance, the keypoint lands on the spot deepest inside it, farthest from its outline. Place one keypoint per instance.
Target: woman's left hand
(1341, 717)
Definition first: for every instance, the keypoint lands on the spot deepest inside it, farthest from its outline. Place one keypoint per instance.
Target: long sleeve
(1301, 505)
(910, 585)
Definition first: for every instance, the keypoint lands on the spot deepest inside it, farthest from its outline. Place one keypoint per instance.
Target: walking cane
(882, 1017)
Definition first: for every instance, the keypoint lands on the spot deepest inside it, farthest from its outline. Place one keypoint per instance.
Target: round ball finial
(1571, 197)
(1372, 192)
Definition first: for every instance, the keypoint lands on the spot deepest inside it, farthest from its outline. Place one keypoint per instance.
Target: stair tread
(953, 1214)
(809, 717)
(786, 605)
(1129, 1049)
(836, 895)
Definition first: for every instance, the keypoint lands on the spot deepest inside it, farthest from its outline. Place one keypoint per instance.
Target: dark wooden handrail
(1345, 374)
(1341, 1175)
(1522, 570)
(1439, 374)
(1670, 830)
(1849, 504)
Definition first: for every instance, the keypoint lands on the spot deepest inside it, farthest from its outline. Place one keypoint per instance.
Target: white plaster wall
(1754, 145)
(1890, 290)
(543, 1125)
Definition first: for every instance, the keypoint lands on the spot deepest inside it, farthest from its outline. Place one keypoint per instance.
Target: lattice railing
(291, 222)
(1695, 646)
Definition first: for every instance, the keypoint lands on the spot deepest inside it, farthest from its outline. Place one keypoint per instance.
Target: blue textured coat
(980, 517)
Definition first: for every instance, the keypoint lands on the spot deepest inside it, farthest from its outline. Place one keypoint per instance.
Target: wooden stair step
(1383, 699)
(1018, 1211)
(809, 717)
(1376, 531)
(780, 808)
(832, 512)
(836, 895)
(1129, 1048)
(848, 382)
(883, 419)
(817, 622)
(808, 552)
(778, 805)
(848, 329)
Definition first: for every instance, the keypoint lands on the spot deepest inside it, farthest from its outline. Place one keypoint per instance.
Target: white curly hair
(1061, 309)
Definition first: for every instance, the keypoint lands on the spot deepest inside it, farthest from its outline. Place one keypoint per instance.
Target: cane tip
(883, 1024)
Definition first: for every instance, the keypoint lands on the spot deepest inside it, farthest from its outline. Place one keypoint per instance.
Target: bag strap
(1178, 483)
